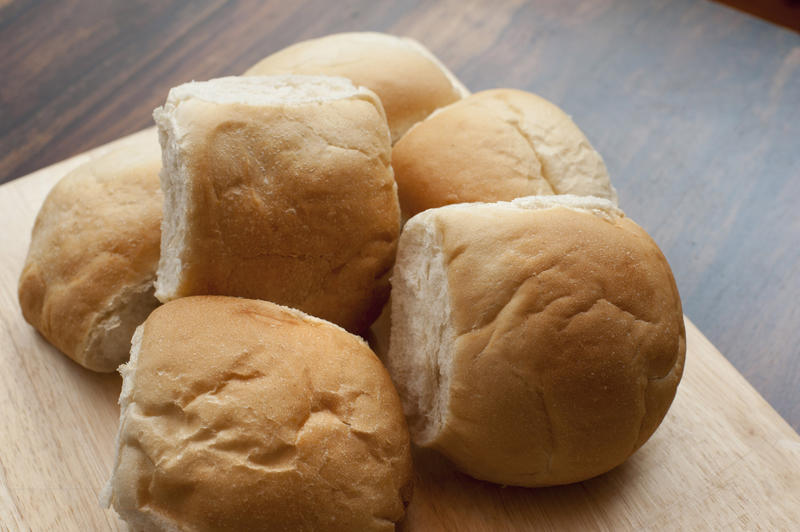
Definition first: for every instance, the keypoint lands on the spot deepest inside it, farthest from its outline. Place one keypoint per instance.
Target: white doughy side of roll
(111, 334)
(421, 340)
(138, 519)
(176, 188)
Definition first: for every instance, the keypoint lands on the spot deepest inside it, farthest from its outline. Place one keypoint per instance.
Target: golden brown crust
(496, 145)
(569, 341)
(244, 415)
(408, 79)
(96, 238)
(294, 204)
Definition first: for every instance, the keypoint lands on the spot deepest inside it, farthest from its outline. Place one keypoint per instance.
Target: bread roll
(407, 77)
(244, 415)
(279, 188)
(496, 145)
(536, 342)
(87, 282)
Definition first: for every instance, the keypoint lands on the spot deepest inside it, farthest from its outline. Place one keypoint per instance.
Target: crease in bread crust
(519, 125)
(538, 140)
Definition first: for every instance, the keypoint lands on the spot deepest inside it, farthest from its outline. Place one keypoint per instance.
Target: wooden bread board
(722, 459)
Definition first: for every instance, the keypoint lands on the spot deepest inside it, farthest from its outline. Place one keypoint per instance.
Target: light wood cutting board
(723, 458)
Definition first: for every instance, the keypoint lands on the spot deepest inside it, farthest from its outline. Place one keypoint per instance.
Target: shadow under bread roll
(533, 342)
(244, 415)
(87, 282)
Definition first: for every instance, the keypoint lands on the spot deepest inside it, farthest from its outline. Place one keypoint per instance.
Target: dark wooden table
(695, 107)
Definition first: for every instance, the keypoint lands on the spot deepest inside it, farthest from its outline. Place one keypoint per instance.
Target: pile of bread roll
(535, 333)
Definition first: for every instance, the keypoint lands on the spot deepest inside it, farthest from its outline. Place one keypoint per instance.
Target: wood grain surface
(722, 460)
(695, 107)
